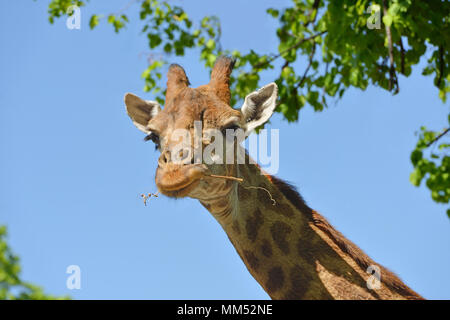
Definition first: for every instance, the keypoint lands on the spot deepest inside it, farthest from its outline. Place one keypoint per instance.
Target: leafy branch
(438, 137)
(11, 286)
(433, 165)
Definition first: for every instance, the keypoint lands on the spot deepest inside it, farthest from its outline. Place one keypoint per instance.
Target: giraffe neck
(291, 250)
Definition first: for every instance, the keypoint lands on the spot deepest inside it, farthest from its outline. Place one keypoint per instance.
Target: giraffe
(290, 249)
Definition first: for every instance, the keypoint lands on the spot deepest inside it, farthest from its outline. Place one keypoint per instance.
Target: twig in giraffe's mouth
(146, 197)
(226, 177)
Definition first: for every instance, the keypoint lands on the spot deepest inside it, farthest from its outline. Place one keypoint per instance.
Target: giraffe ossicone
(290, 249)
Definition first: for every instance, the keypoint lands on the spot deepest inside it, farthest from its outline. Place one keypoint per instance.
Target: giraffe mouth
(178, 181)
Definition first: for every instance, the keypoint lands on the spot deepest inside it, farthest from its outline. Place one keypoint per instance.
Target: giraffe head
(191, 122)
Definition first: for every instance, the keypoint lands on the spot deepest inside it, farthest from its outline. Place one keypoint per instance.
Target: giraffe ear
(141, 111)
(259, 105)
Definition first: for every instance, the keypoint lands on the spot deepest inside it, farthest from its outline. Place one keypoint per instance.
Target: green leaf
(93, 22)
(387, 20)
(273, 12)
(416, 177)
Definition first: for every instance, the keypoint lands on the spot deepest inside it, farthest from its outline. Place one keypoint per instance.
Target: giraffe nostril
(164, 158)
(167, 156)
(184, 154)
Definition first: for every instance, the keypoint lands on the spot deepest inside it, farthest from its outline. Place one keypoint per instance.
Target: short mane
(362, 260)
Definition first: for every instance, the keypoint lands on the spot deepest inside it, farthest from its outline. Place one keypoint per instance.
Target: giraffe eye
(153, 137)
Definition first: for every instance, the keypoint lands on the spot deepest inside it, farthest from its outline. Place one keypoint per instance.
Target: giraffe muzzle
(178, 181)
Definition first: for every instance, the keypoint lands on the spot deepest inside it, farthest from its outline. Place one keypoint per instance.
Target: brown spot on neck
(280, 231)
(236, 227)
(266, 248)
(275, 280)
(252, 260)
(253, 224)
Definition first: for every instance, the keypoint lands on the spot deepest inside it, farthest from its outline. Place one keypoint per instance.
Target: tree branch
(294, 46)
(438, 137)
(402, 57)
(311, 56)
(313, 11)
(441, 66)
(392, 75)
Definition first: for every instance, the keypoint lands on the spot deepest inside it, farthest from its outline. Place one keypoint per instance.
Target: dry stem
(226, 177)
(249, 187)
(146, 197)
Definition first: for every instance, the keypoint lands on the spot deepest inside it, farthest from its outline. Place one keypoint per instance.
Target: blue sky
(73, 165)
